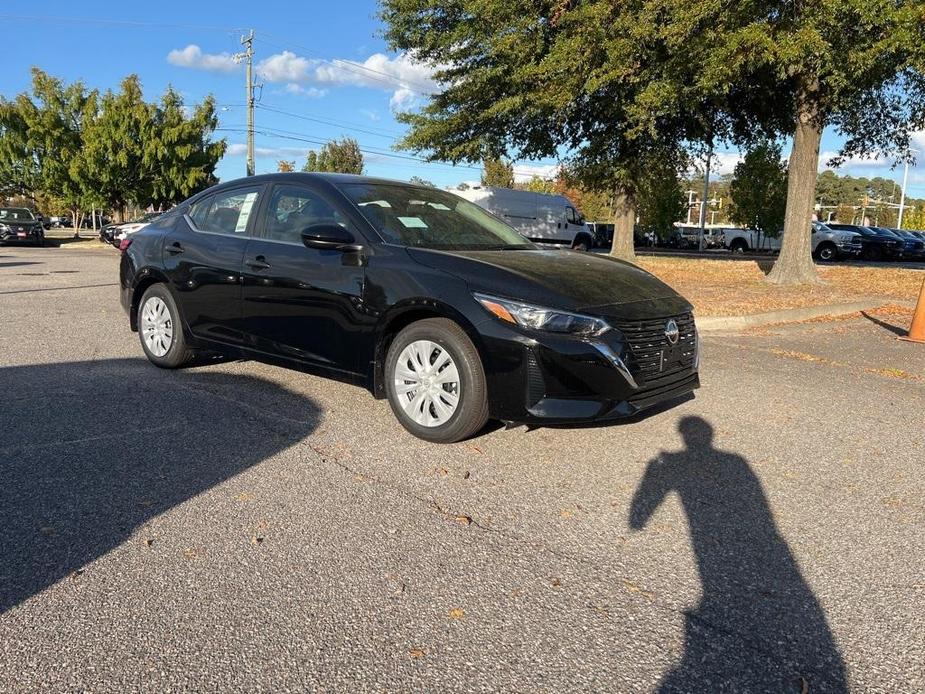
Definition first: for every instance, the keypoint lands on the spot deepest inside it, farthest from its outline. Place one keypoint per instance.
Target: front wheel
(827, 252)
(435, 381)
(160, 330)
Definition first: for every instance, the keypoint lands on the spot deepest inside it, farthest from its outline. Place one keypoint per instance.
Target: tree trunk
(76, 220)
(624, 220)
(795, 263)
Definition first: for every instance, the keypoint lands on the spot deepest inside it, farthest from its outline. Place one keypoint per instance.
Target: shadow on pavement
(93, 450)
(758, 626)
(895, 329)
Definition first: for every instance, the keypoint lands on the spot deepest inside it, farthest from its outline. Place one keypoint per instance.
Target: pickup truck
(827, 244)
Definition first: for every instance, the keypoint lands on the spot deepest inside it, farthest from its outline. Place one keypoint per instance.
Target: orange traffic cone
(917, 329)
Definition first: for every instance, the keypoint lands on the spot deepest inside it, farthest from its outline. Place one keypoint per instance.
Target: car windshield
(431, 218)
(16, 214)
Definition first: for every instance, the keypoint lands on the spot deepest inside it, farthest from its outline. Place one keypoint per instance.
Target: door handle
(258, 263)
(174, 248)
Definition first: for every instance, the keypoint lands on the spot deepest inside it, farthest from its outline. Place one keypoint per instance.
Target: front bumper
(546, 378)
(14, 235)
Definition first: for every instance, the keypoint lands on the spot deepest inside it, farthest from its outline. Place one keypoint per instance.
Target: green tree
(114, 148)
(537, 185)
(336, 156)
(796, 68)
(759, 190)
(529, 79)
(179, 156)
(661, 200)
(42, 141)
(498, 173)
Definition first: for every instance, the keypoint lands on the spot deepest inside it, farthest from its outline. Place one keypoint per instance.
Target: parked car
(413, 292)
(122, 231)
(18, 224)
(602, 233)
(875, 245)
(548, 219)
(914, 248)
(833, 244)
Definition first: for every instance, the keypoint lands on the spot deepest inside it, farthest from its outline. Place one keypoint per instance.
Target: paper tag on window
(245, 213)
(413, 222)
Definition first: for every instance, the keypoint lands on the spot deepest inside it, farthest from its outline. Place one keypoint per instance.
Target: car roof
(336, 179)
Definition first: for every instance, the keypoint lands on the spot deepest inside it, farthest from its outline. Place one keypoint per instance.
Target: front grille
(648, 346)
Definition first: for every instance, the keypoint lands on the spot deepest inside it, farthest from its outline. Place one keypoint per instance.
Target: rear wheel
(435, 381)
(582, 243)
(738, 246)
(160, 331)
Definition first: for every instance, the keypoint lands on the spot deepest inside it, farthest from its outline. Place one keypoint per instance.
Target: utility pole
(248, 57)
(902, 196)
(706, 195)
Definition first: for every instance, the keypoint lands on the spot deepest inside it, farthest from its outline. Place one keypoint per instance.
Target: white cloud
(526, 172)
(193, 57)
(286, 67)
(370, 113)
(406, 78)
(311, 92)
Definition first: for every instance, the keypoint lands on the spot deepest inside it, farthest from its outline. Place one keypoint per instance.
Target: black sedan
(18, 224)
(875, 244)
(412, 292)
(914, 248)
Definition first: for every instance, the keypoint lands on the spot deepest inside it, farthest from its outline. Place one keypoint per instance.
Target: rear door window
(228, 212)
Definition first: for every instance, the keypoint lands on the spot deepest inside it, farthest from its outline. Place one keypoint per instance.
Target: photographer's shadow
(93, 450)
(758, 626)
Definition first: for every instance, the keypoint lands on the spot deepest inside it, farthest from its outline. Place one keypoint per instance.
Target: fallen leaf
(146, 503)
(466, 475)
(416, 652)
(256, 540)
(244, 497)
(47, 530)
(190, 553)
(148, 541)
(457, 613)
(475, 448)
(565, 513)
(555, 583)
(441, 471)
(75, 574)
(464, 520)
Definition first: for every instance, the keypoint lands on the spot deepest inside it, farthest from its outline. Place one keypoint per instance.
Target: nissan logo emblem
(672, 332)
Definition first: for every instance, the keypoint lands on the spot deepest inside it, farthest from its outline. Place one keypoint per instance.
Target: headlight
(541, 318)
(4, 227)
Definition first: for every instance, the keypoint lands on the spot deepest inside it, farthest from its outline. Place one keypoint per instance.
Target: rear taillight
(124, 244)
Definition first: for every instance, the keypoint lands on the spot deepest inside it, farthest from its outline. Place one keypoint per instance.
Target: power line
(346, 125)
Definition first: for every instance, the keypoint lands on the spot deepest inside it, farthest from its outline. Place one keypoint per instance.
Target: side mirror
(329, 237)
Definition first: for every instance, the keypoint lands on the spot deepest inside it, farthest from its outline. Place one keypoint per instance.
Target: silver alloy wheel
(427, 383)
(156, 326)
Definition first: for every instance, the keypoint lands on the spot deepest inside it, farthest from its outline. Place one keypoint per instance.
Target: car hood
(571, 280)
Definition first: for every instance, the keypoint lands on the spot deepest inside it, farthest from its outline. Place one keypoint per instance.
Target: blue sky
(326, 72)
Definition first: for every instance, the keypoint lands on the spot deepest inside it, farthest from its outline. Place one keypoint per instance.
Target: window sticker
(413, 222)
(245, 213)
(439, 206)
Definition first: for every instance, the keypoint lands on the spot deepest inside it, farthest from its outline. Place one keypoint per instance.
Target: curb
(721, 323)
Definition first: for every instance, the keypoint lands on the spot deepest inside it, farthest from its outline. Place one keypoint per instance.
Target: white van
(537, 216)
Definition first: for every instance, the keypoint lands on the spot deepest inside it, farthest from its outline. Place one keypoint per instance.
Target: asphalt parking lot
(239, 526)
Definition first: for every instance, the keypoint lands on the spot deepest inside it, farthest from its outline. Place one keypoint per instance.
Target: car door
(303, 303)
(203, 254)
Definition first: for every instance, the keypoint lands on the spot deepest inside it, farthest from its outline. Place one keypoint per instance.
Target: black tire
(873, 253)
(177, 353)
(582, 243)
(40, 240)
(827, 252)
(738, 246)
(472, 409)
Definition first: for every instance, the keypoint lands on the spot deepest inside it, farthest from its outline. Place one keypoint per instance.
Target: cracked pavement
(240, 526)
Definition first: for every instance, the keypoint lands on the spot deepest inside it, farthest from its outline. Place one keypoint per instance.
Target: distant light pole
(706, 195)
(902, 194)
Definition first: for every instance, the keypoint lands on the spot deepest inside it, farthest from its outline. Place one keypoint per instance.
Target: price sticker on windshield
(413, 222)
